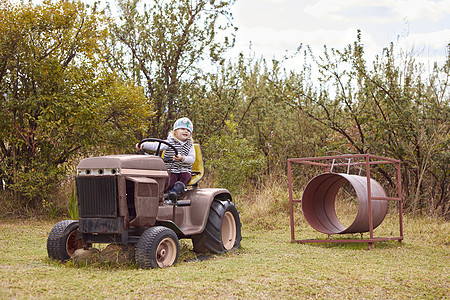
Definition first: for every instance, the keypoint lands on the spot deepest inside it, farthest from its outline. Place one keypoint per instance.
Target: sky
(275, 28)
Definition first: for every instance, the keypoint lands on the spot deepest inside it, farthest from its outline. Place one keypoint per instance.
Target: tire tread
(210, 240)
(56, 241)
(146, 247)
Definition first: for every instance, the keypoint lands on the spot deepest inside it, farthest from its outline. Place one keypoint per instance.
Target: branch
(72, 51)
(334, 126)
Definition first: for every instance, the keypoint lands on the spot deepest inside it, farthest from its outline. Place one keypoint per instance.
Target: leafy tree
(56, 101)
(413, 122)
(387, 110)
(232, 159)
(164, 45)
(213, 101)
(269, 122)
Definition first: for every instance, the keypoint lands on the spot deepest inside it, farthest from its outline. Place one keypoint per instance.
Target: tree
(56, 101)
(213, 100)
(268, 121)
(164, 45)
(388, 110)
(233, 159)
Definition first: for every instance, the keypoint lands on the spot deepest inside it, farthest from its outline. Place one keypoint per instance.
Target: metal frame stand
(361, 160)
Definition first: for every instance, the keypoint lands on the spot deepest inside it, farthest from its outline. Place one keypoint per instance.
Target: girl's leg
(178, 183)
(184, 177)
(173, 179)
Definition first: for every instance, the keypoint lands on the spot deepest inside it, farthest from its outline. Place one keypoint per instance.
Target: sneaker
(173, 197)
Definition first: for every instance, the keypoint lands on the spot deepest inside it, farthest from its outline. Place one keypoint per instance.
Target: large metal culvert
(319, 197)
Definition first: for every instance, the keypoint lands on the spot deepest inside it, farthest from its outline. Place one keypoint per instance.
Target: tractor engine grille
(97, 196)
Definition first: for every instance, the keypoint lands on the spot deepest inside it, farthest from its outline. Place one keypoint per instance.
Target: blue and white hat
(183, 123)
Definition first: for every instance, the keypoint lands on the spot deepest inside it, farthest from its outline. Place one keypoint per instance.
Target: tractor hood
(121, 164)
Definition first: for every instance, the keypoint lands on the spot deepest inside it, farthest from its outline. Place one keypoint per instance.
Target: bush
(233, 160)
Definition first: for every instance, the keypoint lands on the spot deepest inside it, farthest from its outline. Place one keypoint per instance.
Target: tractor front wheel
(63, 240)
(158, 247)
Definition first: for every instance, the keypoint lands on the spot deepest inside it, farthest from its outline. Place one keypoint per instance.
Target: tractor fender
(192, 219)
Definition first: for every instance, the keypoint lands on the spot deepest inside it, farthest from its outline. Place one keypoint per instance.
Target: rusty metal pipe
(319, 197)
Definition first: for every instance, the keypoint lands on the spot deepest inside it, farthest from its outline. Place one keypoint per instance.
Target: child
(180, 165)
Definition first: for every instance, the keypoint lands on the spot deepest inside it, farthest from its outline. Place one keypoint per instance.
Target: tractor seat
(198, 169)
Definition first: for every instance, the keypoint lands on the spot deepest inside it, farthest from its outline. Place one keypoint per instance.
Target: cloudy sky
(277, 27)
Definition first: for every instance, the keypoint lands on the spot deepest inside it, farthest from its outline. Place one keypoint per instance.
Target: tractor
(122, 200)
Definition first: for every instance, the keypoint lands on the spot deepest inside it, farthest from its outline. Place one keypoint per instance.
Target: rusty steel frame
(366, 160)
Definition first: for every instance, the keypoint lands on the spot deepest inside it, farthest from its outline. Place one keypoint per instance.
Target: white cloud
(288, 39)
(380, 11)
(434, 40)
(427, 47)
(422, 9)
(276, 26)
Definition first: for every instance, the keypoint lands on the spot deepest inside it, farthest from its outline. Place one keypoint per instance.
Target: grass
(266, 266)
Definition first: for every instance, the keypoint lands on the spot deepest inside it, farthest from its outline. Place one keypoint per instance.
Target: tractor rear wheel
(223, 229)
(158, 247)
(63, 241)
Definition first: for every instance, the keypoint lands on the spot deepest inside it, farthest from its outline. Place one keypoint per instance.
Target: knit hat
(183, 123)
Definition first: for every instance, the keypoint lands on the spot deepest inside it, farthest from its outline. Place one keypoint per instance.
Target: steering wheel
(158, 150)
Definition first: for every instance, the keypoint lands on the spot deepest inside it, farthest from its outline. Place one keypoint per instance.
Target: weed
(51, 208)
(72, 208)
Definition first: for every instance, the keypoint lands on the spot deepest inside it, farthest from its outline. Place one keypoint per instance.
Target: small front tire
(158, 247)
(63, 240)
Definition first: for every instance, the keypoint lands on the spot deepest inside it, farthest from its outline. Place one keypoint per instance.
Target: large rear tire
(63, 240)
(223, 229)
(158, 247)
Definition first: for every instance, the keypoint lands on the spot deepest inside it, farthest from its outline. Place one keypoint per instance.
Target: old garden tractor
(122, 200)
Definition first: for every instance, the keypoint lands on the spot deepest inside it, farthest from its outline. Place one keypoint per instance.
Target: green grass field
(266, 266)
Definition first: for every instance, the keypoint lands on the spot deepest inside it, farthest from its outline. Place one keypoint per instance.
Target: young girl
(180, 165)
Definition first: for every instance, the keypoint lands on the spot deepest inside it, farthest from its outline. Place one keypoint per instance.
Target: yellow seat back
(197, 167)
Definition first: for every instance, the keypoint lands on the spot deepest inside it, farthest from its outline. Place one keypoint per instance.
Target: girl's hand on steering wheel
(178, 157)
